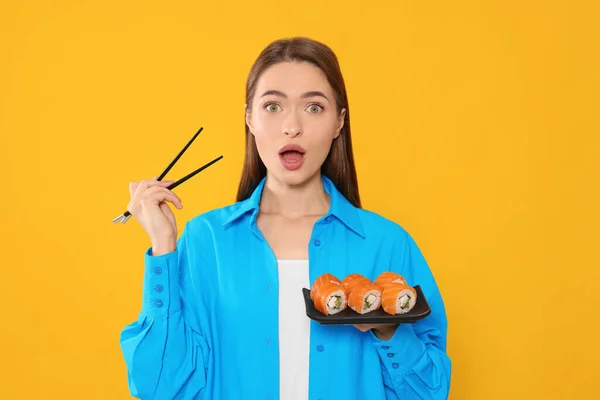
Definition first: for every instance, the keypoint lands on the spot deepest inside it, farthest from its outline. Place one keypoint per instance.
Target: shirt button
(390, 355)
(269, 288)
(159, 303)
(317, 242)
(320, 348)
(385, 347)
(328, 219)
(158, 288)
(395, 365)
(158, 270)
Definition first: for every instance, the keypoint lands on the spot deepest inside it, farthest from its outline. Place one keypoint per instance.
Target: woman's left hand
(382, 331)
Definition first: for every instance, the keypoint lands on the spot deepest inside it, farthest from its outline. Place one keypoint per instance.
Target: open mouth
(292, 156)
(291, 153)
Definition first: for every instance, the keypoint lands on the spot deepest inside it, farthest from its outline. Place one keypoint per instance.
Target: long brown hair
(339, 164)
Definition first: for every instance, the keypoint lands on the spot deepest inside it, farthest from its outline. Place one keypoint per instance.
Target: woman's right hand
(148, 205)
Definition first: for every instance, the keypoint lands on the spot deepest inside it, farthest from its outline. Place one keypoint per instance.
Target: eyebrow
(312, 93)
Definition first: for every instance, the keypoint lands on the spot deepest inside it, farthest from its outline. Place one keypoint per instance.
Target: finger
(141, 187)
(164, 206)
(382, 326)
(158, 189)
(166, 210)
(165, 182)
(145, 184)
(162, 194)
(132, 188)
(362, 327)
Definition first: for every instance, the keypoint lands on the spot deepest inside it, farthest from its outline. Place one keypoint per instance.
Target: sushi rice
(336, 301)
(371, 301)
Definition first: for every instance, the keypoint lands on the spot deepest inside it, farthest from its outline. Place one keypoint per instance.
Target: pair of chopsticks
(123, 218)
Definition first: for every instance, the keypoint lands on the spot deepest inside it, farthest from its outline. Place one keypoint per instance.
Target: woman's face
(294, 121)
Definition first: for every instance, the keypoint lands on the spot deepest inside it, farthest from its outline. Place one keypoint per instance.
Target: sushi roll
(320, 281)
(331, 298)
(365, 297)
(353, 279)
(388, 277)
(398, 298)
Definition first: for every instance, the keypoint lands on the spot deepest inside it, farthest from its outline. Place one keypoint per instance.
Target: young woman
(223, 315)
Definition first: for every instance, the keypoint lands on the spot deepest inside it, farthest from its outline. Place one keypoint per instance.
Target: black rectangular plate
(351, 317)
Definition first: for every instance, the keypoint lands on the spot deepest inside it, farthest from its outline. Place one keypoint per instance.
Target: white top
(294, 330)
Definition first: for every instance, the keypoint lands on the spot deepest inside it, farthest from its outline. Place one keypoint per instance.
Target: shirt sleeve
(414, 361)
(165, 355)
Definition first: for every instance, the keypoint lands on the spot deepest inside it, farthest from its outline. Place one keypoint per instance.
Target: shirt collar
(339, 207)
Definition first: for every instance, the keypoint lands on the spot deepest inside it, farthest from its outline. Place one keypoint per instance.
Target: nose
(292, 126)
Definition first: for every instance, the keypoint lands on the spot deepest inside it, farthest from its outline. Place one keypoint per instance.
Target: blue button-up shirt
(208, 326)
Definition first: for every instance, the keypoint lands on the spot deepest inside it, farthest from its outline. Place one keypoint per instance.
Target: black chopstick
(185, 178)
(125, 216)
(179, 155)
(188, 176)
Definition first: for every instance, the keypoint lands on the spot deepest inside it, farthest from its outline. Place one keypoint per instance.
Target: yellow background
(475, 127)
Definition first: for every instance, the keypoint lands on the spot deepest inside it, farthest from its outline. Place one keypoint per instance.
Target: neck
(306, 199)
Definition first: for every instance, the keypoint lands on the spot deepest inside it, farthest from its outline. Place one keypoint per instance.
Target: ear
(249, 119)
(340, 123)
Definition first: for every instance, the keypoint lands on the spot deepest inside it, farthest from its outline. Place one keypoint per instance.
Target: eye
(315, 108)
(272, 107)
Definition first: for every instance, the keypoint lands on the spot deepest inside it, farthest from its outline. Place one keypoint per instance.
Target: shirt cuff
(402, 351)
(161, 284)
